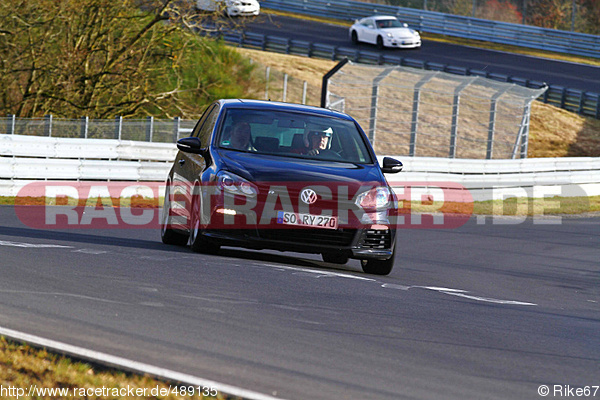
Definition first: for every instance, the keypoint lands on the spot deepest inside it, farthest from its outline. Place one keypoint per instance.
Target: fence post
(118, 126)
(267, 73)
(374, 97)
(149, 128)
(177, 121)
(285, 82)
(522, 136)
(581, 102)
(525, 136)
(325, 82)
(48, 125)
(11, 124)
(414, 125)
(84, 127)
(304, 86)
(492, 123)
(455, 111)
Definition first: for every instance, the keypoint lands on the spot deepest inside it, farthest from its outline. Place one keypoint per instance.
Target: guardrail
(581, 102)
(493, 179)
(27, 159)
(34, 158)
(451, 25)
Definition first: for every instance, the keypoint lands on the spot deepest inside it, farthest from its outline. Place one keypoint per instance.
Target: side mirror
(405, 25)
(391, 165)
(191, 145)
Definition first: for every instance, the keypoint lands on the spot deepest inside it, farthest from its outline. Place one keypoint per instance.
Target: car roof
(380, 17)
(280, 106)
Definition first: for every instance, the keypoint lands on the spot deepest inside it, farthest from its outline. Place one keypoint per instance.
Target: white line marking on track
(458, 293)
(33, 245)
(321, 273)
(89, 251)
(489, 300)
(133, 366)
(77, 296)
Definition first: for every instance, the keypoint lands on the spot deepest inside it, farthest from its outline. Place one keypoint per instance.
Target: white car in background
(384, 31)
(234, 8)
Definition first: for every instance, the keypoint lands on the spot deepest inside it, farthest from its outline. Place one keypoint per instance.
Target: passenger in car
(241, 137)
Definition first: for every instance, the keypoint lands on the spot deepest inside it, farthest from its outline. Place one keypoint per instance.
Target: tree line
(104, 58)
(578, 15)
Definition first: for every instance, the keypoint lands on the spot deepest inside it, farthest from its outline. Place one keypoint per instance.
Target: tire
(378, 267)
(335, 258)
(379, 42)
(354, 38)
(198, 243)
(168, 235)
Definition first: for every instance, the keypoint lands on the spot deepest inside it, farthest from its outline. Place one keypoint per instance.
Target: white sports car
(234, 8)
(384, 31)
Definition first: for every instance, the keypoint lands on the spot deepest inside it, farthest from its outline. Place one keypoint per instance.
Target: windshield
(289, 134)
(389, 23)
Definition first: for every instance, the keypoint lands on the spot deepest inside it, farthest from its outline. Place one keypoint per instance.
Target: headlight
(390, 35)
(231, 183)
(414, 32)
(376, 198)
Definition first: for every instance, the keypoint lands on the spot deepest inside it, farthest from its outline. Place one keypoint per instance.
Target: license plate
(299, 219)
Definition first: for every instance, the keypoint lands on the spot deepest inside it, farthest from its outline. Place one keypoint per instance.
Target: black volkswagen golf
(267, 175)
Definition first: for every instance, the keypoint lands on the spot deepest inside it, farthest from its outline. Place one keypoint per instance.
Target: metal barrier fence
(483, 180)
(451, 25)
(28, 159)
(55, 158)
(414, 112)
(584, 103)
(148, 130)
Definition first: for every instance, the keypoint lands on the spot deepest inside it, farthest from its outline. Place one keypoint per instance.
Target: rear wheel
(168, 235)
(378, 267)
(198, 243)
(335, 258)
(379, 42)
(354, 37)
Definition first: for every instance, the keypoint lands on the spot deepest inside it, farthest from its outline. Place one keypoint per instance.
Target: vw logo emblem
(308, 196)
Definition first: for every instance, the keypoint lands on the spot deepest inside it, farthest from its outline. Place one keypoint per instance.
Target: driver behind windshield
(315, 142)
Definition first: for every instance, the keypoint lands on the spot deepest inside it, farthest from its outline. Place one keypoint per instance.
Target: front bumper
(402, 43)
(364, 243)
(243, 11)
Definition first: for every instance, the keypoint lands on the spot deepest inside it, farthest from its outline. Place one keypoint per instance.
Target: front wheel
(168, 235)
(198, 243)
(354, 38)
(378, 267)
(379, 42)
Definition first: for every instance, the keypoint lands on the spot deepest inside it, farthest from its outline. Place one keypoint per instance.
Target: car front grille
(327, 237)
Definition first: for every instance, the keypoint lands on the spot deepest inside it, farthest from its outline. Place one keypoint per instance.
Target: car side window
(205, 125)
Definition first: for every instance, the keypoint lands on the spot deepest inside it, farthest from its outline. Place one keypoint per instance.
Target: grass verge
(512, 206)
(30, 373)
